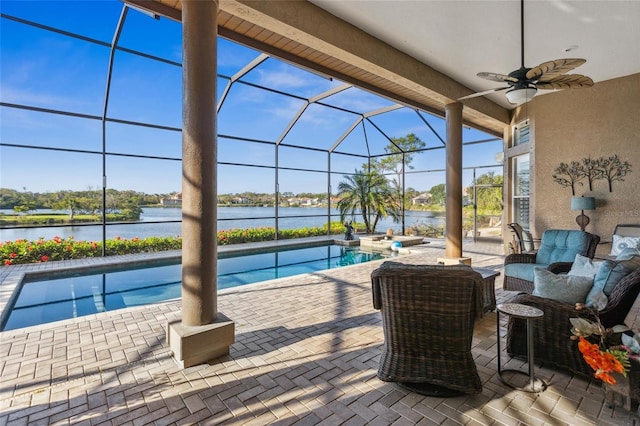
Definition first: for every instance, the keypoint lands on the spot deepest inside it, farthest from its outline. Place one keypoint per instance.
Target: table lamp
(583, 203)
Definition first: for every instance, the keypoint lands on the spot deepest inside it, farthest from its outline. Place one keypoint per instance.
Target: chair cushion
(561, 245)
(527, 241)
(620, 243)
(563, 288)
(523, 271)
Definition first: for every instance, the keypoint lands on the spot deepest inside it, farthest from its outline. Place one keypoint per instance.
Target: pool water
(71, 296)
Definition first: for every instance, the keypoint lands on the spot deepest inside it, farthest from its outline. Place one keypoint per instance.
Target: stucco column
(453, 115)
(199, 264)
(203, 333)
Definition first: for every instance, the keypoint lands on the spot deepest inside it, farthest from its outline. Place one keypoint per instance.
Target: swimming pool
(73, 295)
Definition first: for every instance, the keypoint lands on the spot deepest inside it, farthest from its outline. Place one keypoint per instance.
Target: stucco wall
(571, 125)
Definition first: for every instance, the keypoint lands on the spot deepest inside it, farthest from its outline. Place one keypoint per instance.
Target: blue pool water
(70, 296)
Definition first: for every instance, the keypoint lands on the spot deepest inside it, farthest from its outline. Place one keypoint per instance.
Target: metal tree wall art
(591, 172)
(568, 175)
(610, 169)
(613, 169)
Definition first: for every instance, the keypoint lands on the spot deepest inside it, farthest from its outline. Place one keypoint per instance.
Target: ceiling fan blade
(496, 77)
(486, 92)
(553, 68)
(567, 81)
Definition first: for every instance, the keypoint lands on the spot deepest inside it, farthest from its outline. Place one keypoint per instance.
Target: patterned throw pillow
(621, 243)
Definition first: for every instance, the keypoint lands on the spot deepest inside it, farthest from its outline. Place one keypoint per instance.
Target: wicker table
(529, 313)
(489, 278)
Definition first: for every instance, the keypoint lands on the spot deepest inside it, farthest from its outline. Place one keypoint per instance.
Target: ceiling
(461, 38)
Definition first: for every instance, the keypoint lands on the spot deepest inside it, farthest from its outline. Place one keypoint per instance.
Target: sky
(44, 69)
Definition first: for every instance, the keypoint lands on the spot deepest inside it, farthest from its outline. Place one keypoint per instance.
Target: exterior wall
(571, 125)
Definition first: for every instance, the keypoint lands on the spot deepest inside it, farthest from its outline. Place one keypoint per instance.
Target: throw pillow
(563, 288)
(596, 300)
(628, 253)
(612, 271)
(620, 243)
(584, 267)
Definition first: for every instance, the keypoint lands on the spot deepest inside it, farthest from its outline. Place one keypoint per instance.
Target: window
(521, 183)
(521, 134)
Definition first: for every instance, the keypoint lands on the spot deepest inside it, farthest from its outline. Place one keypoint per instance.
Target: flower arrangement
(603, 357)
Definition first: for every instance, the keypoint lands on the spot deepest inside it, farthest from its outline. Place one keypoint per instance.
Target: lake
(228, 218)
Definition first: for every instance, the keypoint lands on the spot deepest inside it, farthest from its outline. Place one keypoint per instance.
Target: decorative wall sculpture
(611, 169)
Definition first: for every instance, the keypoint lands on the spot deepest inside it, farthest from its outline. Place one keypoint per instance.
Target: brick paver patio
(306, 353)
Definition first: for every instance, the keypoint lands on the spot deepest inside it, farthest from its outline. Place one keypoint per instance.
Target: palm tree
(370, 194)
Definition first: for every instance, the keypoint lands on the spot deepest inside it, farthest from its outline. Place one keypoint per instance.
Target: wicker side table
(529, 313)
(489, 281)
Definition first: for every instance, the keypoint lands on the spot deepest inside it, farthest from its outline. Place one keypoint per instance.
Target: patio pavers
(306, 352)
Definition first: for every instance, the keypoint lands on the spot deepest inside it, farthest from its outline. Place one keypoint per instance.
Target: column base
(454, 261)
(198, 345)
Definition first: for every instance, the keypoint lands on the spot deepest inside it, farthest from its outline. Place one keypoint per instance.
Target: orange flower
(611, 363)
(602, 362)
(7, 262)
(605, 377)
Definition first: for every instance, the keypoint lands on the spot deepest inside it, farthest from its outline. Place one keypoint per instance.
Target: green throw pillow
(563, 288)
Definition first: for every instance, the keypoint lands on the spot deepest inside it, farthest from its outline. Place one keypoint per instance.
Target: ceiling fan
(523, 83)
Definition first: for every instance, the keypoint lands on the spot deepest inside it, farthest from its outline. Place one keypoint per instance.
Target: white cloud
(38, 98)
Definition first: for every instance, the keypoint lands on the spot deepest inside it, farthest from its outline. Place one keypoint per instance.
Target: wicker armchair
(558, 249)
(552, 335)
(524, 240)
(428, 314)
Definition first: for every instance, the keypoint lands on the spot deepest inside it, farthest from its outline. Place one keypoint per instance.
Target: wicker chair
(552, 333)
(558, 249)
(524, 239)
(428, 314)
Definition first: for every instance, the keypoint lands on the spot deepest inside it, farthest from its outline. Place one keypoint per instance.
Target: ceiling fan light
(522, 95)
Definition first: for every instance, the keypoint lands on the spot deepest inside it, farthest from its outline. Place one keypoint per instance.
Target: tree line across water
(372, 192)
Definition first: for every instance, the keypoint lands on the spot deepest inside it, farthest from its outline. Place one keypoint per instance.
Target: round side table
(529, 313)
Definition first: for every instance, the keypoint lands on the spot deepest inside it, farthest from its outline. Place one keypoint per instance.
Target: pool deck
(306, 353)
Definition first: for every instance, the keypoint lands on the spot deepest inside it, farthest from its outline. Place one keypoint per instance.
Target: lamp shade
(583, 203)
(521, 95)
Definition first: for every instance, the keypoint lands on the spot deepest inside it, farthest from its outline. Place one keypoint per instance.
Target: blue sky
(43, 69)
